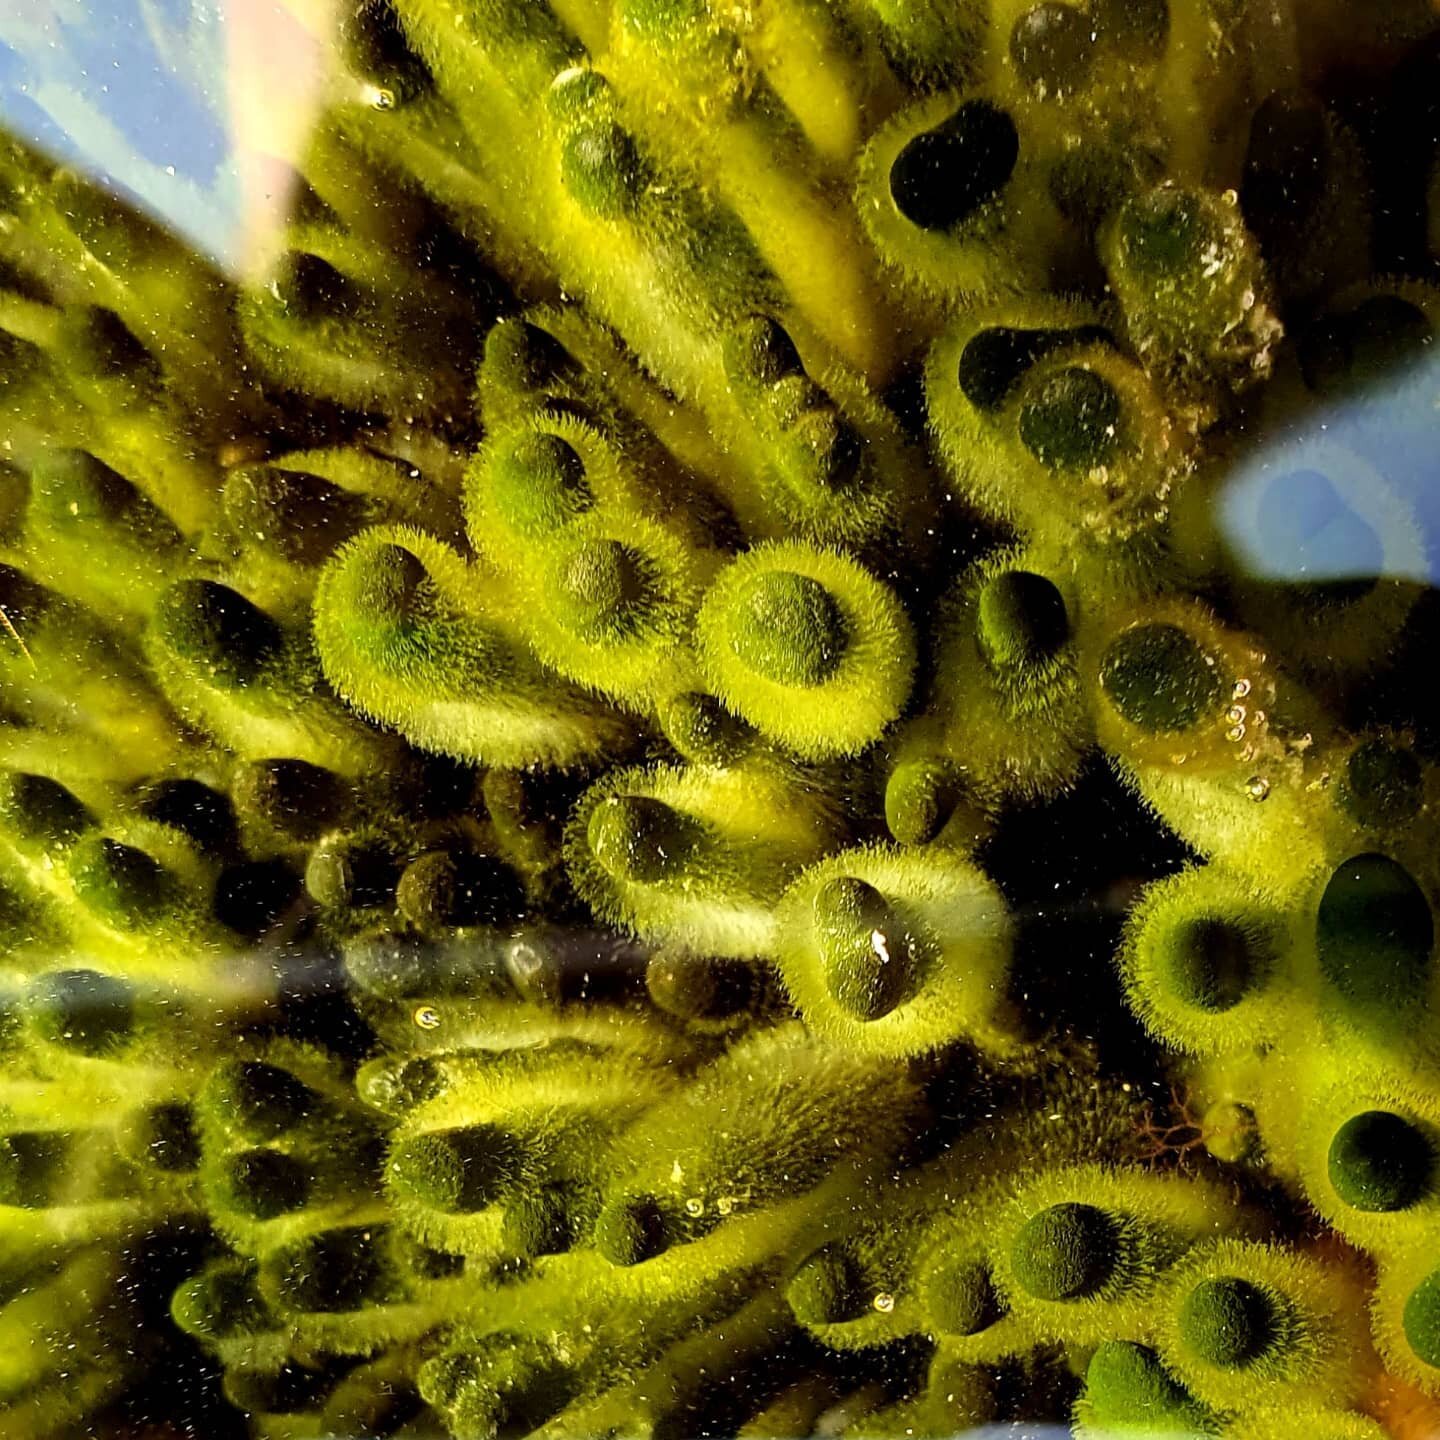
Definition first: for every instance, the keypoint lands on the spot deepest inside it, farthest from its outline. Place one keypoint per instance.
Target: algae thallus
(538, 742)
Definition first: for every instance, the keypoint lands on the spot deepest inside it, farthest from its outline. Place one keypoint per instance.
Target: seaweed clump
(541, 744)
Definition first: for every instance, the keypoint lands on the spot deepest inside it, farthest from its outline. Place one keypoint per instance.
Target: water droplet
(427, 1017)
(1242, 688)
(1235, 732)
(1236, 714)
(1257, 787)
(884, 1302)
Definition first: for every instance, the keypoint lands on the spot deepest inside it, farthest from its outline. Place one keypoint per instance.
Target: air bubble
(427, 1017)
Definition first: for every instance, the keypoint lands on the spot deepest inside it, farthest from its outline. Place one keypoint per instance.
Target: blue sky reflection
(1348, 491)
(138, 94)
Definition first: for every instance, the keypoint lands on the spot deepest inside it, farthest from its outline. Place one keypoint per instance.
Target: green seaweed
(539, 739)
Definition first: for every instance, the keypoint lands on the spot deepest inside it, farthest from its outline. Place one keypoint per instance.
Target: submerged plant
(625, 790)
